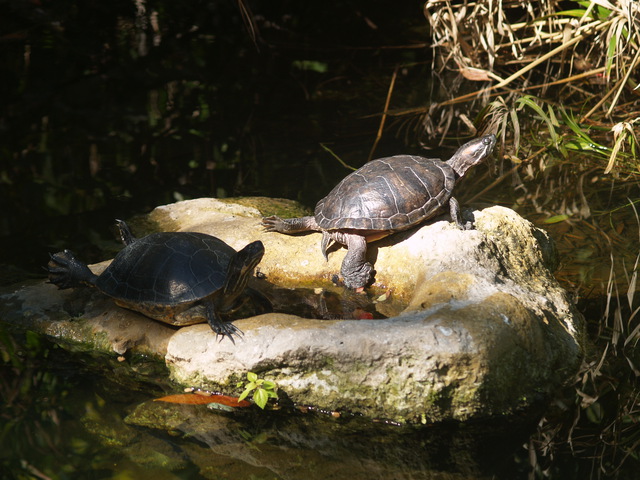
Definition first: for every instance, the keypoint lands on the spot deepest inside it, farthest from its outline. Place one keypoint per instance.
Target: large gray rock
(479, 327)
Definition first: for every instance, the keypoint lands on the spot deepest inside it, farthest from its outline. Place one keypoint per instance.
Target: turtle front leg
(356, 271)
(220, 327)
(289, 225)
(454, 211)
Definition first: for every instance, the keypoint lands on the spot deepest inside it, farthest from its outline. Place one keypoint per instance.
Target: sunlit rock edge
(487, 329)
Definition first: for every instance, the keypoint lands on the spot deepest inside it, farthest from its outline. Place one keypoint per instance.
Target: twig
(579, 76)
(327, 149)
(384, 113)
(624, 80)
(520, 72)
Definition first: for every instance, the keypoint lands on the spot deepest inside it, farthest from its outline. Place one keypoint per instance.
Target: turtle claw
(220, 327)
(289, 225)
(58, 271)
(66, 271)
(273, 224)
(227, 329)
(357, 278)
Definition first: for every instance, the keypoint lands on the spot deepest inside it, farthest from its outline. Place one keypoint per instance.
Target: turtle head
(240, 268)
(472, 153)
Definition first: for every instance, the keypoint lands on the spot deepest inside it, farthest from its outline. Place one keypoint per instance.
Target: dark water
(109, 111)
(100, 122)
(60, 423)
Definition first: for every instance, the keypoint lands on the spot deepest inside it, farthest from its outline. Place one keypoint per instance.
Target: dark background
(108, 111)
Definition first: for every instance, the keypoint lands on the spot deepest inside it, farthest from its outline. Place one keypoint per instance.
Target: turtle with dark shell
(179, 278)
(384, 196)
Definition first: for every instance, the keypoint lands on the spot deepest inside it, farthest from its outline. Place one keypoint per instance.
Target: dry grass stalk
(384, 114)
(602, 424)
(587, 54)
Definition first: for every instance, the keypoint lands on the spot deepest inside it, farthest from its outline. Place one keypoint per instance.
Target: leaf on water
(193, 399)
(185, 398)
(229, 401)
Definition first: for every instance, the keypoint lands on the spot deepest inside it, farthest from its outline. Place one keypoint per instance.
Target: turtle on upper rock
(179, 278)
(384, 196)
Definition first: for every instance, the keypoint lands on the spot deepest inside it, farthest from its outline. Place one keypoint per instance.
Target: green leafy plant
(262, 390)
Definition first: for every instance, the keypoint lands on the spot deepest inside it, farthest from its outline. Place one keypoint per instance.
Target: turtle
(179, 278)
(386, 195)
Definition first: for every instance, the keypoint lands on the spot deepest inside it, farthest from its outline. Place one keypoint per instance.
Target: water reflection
(64, 422)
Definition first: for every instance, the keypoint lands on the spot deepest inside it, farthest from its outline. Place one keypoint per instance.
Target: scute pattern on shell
(391, 193)
(140, 273)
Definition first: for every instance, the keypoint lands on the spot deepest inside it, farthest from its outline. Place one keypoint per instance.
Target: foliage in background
(122, 111)
(111, 109)
(561, 71)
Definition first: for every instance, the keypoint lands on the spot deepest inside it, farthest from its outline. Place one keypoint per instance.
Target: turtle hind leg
(356, 271)
(219, 327)
(66, 271)
(289, 225)
(456, 215)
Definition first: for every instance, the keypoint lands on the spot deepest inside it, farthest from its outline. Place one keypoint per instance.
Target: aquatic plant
(262, 390)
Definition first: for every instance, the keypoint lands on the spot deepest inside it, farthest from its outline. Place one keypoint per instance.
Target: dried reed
(579, 62)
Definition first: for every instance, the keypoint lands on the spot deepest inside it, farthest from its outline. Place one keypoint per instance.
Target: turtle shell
(389, 194)
(165, 270)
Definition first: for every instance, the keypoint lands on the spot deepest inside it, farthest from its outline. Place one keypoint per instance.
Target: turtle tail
(66, 271)
(125, 232)
(325, 244)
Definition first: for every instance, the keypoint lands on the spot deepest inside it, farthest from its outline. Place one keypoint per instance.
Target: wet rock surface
(311, 446)
(477, 325)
